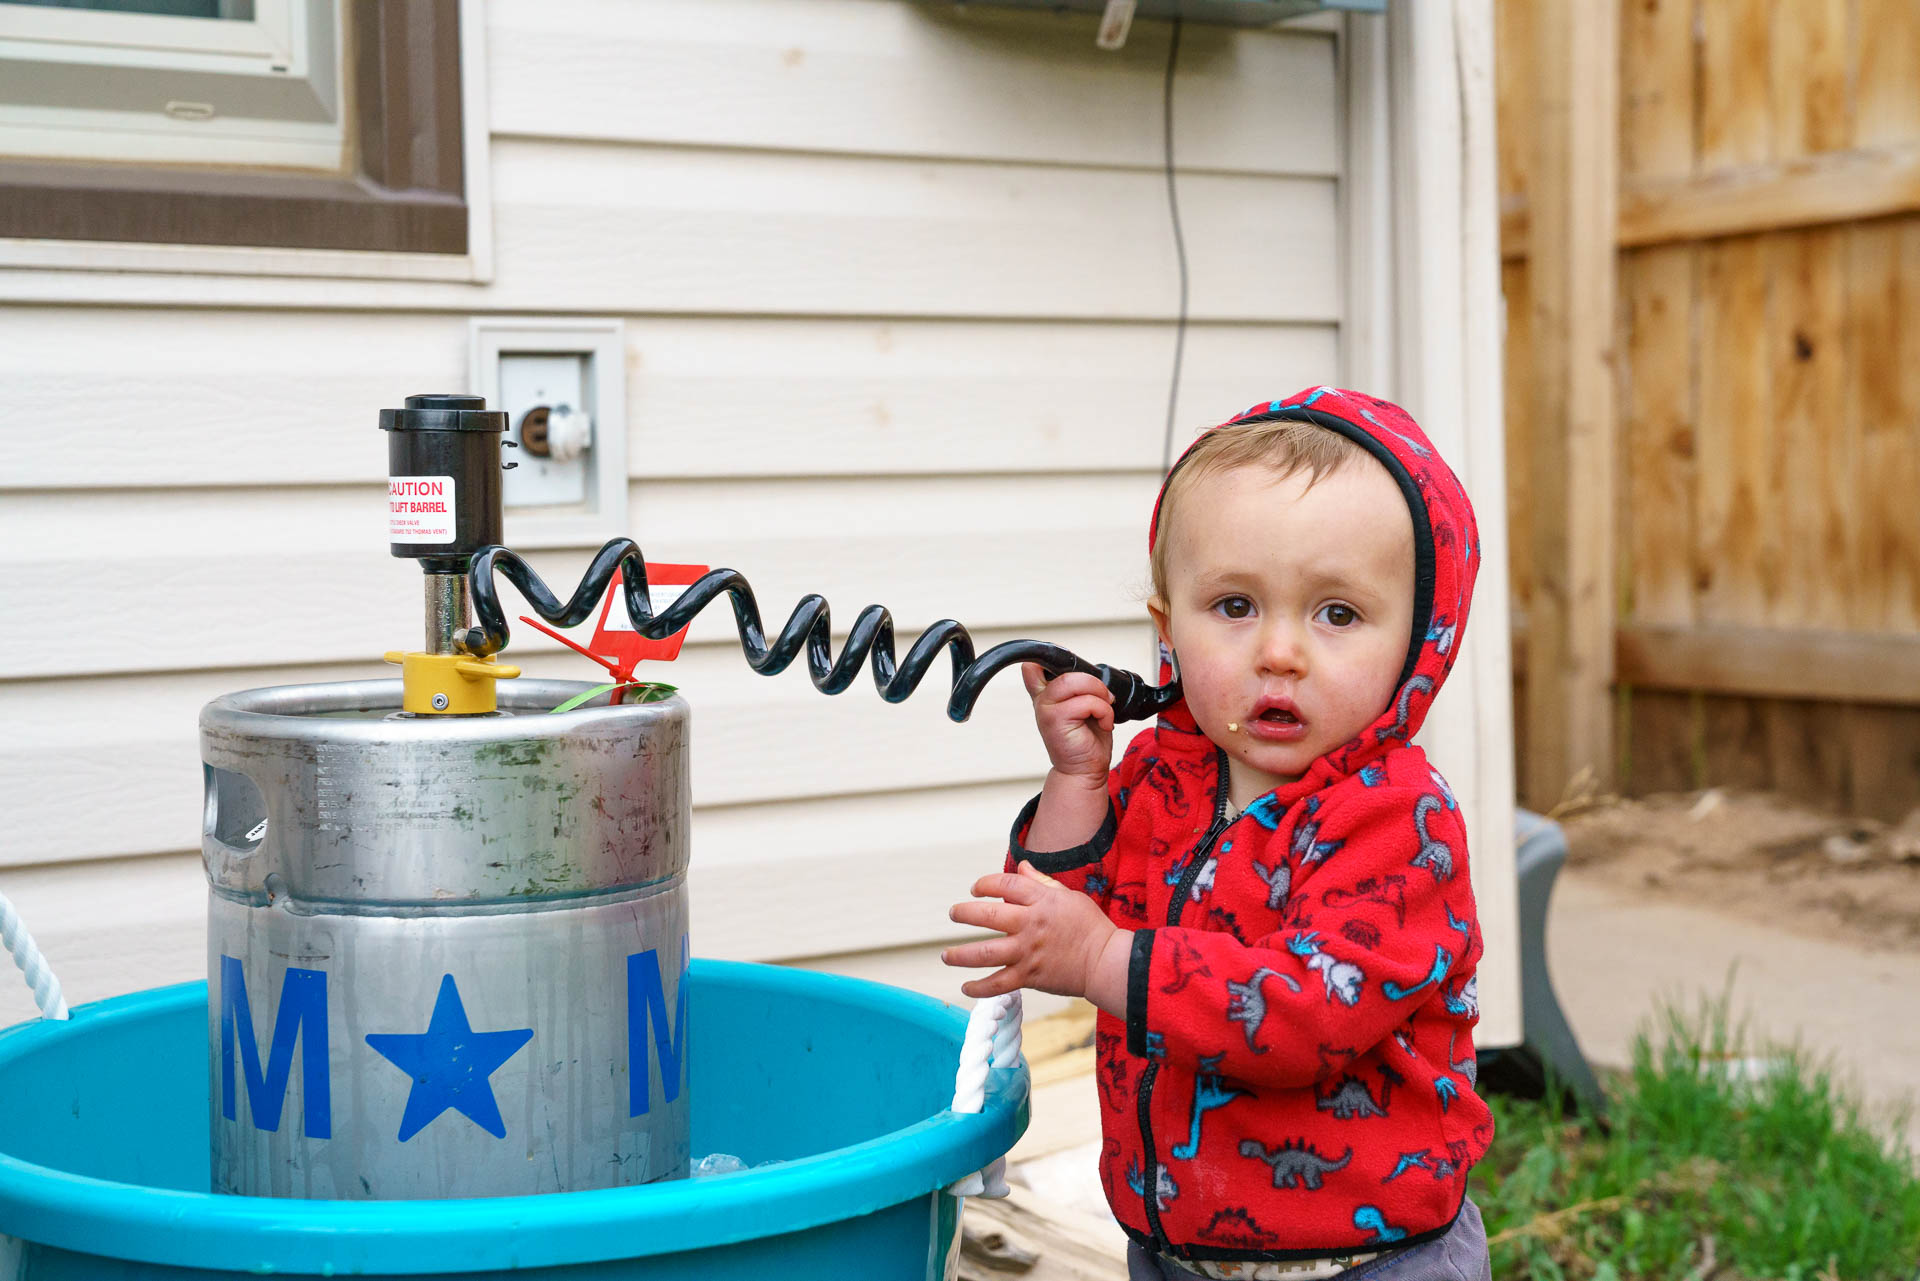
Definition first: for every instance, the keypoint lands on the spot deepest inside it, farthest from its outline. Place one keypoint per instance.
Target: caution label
(420, 509)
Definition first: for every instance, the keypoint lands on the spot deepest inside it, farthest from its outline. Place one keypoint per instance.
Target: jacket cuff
(1139, 967)
(1092, 851)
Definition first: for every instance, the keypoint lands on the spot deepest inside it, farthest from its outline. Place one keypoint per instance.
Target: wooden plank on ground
(1571, 614)
(1026, 1235)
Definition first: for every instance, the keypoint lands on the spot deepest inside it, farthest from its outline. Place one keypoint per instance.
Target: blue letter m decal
(647, 1004)
(302, 1015)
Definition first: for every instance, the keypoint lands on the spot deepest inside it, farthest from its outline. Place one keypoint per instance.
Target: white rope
(992, 1041)
(46, 988)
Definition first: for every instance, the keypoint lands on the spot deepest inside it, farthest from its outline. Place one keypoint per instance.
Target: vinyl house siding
(898, 287)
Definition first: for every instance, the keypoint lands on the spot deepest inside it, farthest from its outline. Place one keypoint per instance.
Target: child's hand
(1075, 714)
(1055, 938)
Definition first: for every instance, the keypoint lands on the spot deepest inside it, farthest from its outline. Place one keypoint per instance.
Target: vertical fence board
(1660, 756)
(1887, 76)
(1873, 399)
(1656, 88)
(1891, 451)
(1736, 116)
(1808, 77)
(1768, 421)
(1658, 412)
(1737, 538)
(1519, 435)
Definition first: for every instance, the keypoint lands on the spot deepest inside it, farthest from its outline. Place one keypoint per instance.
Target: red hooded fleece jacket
(1295, 1074)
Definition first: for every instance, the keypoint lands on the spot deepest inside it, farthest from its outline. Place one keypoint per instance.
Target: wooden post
(1573, 199)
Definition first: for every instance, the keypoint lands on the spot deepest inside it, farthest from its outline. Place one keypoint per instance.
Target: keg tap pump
(443, 505)
(444, 500)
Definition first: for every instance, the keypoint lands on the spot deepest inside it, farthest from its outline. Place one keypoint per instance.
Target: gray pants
(1459, 1255)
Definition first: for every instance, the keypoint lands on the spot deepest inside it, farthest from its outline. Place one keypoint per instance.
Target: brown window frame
(405, 191)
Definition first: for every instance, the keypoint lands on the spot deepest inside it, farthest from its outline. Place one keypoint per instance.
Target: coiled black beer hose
(1134, 698)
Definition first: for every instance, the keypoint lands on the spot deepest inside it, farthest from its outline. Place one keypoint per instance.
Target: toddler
(1268, 899)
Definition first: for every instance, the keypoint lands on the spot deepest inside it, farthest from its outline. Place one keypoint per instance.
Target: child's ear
(1158, 609)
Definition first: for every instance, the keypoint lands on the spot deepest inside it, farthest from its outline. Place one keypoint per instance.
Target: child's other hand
(1054, 936)
(1075, 714)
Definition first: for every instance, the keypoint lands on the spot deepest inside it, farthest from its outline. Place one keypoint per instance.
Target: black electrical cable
(809, 627)
(1179, 243)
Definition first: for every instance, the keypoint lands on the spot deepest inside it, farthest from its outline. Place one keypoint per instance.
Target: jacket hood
(1446, 557)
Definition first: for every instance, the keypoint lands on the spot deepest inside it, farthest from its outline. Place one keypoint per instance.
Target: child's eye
(1338, 615)
(1234, 606)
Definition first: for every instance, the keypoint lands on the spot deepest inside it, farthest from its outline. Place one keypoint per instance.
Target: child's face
(1290, 613)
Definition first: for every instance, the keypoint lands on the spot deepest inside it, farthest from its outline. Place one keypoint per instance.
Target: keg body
(444, 953)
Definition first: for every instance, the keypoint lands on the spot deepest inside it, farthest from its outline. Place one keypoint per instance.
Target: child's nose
(1282, 650)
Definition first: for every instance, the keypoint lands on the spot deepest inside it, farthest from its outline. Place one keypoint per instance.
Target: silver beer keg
(445, 954)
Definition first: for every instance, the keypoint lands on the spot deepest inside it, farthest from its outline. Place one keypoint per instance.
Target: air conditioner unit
(1233, 13)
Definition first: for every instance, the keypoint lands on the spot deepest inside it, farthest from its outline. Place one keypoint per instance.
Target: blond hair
(1282, 447)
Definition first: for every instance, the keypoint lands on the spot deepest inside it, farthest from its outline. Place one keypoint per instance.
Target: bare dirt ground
(1758, 857)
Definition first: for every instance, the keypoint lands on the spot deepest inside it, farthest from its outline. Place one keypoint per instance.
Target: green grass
(1699, 1175)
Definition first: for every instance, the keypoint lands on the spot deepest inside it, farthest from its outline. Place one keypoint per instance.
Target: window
(319, 124)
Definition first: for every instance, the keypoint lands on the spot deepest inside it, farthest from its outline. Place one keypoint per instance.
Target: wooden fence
(1757, 459)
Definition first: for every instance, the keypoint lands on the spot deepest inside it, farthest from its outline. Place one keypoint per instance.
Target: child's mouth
(1277, 724)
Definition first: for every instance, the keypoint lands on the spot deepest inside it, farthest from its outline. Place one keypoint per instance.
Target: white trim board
(1420, 218)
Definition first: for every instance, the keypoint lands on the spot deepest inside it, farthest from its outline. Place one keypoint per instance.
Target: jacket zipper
(1184, 887)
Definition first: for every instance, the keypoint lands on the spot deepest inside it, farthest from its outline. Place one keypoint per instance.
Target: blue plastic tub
(104, 1154)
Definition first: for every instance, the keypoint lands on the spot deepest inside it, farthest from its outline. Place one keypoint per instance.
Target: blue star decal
(450, 1064)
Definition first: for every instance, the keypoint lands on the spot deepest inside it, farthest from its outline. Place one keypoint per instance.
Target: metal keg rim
(310, 711)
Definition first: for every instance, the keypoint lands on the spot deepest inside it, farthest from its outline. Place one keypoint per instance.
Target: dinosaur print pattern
(1351, 1099)
(1188, 964)
(1388, 891)
(1342, 978)
(1465, 1002)
(1278, 879)
(1368, 1218)
(1295, 1164)
(1441, 1168)
(1435, 856)
(1442, 961)
(1307, 846)
(1209, 1092)
(1403, 708)
(1267, 812)
(1246, 1005)
(1164, 1188)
